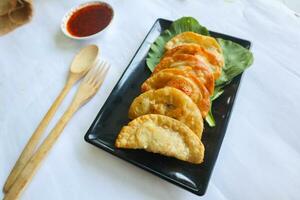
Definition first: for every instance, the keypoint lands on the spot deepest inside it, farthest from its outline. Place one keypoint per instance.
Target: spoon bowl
(84, 59)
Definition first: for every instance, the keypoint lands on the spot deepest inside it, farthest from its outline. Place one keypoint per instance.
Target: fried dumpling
(203, 75)
(173, 78)
(188, 37)
(208, 43)
(184, 80)
(170, 102)
(178, 61)
(198, 68)
(163, 135)
(205, 57)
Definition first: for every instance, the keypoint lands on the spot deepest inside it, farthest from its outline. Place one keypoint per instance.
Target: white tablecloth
(260, 155)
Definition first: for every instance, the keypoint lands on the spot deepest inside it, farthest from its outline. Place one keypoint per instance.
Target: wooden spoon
(81, 64)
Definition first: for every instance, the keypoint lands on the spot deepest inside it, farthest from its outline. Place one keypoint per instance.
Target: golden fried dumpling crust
(170, 102)
(203, 101)
(184, 80)
(163, 135)
(188, 37)
(206, 57)
(180, 61)
(208, 43)
(173, 78)
(203, 75)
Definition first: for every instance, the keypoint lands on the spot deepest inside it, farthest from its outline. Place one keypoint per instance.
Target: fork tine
(94, 70)
(97, 72)
(97, 62)
(100, 77)
(104, 66)
(89, 75)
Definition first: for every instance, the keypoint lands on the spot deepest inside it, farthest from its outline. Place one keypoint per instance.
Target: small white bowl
(67, 16)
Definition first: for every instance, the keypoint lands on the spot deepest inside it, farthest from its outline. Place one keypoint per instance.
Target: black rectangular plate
(114, 114)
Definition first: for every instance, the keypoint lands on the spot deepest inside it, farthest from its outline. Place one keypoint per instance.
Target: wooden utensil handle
(35, 138)
(31, 167)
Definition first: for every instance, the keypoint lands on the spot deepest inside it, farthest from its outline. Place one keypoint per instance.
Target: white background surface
(260, 155)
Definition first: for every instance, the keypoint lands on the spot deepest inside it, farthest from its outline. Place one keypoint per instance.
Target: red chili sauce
(89, 20)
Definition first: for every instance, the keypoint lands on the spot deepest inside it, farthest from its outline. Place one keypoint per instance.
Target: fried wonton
(178, 61)
(208, 43)
(163, 135)
(173, 78)
(205, 57)
(183, 79)
(182, 60)
(170, 102)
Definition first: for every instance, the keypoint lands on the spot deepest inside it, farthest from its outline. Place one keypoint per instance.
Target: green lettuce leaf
(210, 118)
(237, 59)
(181, 25)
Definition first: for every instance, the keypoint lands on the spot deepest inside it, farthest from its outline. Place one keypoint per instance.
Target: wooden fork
(85, 92)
